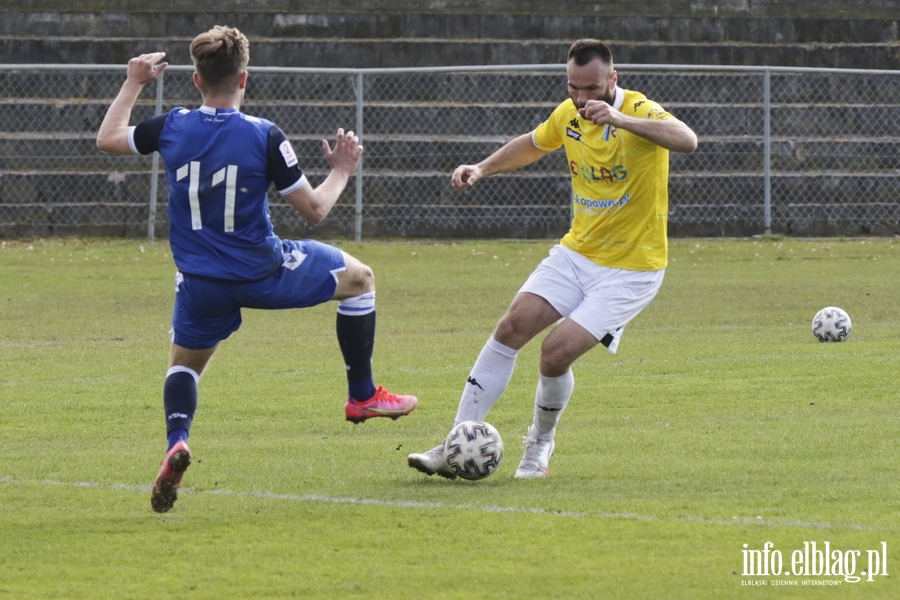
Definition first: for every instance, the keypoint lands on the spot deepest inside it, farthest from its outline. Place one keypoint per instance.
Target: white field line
(320, 498)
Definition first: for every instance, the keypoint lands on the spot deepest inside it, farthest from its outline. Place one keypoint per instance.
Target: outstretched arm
(113, 134)
(515, 154)
(314, 204)
(671, 134)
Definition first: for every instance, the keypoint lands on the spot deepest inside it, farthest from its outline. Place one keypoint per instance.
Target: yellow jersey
(620, 197)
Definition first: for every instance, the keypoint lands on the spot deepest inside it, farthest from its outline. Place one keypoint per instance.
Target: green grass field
(720, 423)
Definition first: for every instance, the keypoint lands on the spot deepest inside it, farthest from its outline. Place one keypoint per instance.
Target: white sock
(550, 400)
(488, 379)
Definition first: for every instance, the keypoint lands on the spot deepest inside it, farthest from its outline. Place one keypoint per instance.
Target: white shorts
(600, 299)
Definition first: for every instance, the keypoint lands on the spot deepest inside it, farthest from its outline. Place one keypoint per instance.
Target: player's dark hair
(220, 55)
(586, 50)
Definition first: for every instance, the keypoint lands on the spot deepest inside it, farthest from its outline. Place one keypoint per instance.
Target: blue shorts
(206, 312)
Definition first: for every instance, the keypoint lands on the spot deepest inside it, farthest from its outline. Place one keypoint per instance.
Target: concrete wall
(47, 133)
(366, 33)
(828, 9)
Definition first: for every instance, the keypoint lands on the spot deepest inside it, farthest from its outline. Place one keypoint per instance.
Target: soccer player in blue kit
(219, 166)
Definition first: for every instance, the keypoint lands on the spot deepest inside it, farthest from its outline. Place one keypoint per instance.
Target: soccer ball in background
(831, 324)
(473, 449)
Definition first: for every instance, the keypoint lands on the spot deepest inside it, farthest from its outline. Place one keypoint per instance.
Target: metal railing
(782, 150)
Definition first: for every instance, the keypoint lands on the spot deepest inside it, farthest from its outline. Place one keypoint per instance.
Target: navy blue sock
(356, 337)
(180, 401)
(177, 435)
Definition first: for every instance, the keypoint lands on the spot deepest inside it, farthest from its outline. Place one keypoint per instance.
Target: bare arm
(515, 154)
(671, 134)
(314, 204)
(113, 134)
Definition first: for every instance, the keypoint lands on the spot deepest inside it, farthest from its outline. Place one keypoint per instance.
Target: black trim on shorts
(608, 338)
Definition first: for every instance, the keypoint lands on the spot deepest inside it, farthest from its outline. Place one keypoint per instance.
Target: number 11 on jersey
(228, 175)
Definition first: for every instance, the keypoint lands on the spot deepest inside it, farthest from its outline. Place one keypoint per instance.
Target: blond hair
(220, 55)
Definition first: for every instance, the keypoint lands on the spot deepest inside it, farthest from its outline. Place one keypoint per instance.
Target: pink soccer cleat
(382, 404)
(165, 489)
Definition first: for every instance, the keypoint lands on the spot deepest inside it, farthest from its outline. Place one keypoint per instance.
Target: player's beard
(610, 97)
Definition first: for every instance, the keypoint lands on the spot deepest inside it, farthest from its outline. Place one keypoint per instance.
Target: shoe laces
(382, 395)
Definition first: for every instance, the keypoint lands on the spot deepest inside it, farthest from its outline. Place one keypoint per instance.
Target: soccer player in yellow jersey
(605, 270)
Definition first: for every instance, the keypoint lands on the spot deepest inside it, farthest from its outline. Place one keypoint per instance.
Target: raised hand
(346, 153)
(144, 68)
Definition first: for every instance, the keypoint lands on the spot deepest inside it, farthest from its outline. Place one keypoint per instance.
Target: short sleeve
(549, 134)
(144, 139)
(281, 162)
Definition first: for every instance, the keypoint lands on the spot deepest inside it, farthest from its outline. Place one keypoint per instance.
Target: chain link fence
(782, 150)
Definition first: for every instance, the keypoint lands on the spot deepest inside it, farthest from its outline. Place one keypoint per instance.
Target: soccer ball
(473, 449)
(831, 324)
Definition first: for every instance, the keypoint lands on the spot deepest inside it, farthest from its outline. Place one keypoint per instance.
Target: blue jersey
(219, 166)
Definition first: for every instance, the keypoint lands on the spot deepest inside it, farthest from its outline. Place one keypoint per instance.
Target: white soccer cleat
(432, 462)
(535, 461)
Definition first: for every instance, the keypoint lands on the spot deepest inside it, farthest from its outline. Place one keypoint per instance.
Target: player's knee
(359, 279)
(366, 278)
(505, 330)
(551, 366)
(512, 331)
(555, 361)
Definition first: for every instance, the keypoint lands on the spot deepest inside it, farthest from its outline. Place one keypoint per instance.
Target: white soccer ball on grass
(831, 324)
(473, 449)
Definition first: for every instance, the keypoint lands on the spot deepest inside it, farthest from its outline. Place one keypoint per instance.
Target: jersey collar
(620, 98)
(217, 111)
